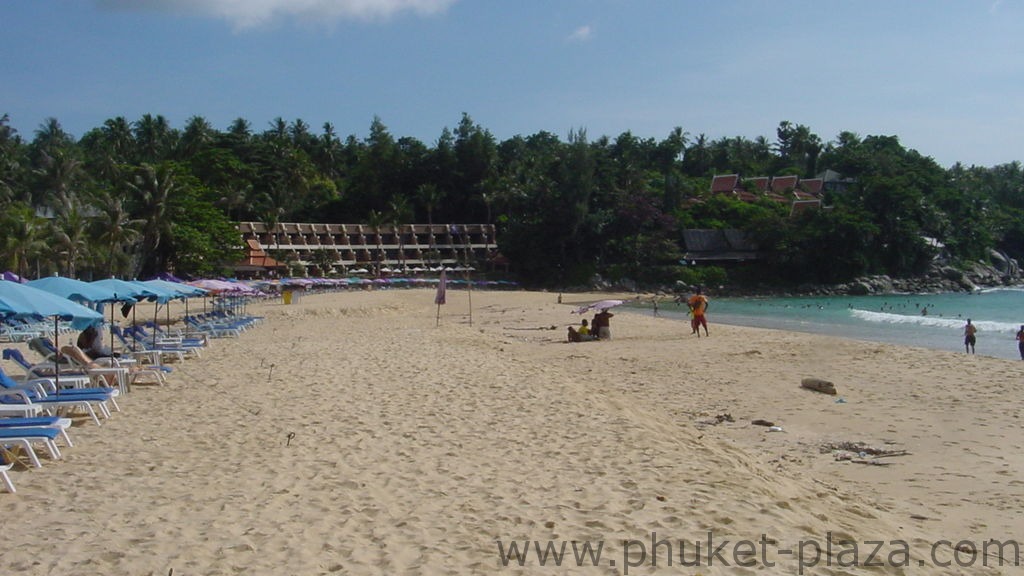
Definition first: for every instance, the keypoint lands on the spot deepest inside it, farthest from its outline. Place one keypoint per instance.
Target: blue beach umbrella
(130, 290)
(82, 292)
(76, 289)
(23, 301)
(163, 295)
(185, 290)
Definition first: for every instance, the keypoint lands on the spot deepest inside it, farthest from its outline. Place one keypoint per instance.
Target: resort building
(272, 250)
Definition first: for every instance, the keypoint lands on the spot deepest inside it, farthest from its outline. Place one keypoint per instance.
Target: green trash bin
(287, 294)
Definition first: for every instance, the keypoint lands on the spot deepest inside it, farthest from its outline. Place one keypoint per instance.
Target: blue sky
(946, 76)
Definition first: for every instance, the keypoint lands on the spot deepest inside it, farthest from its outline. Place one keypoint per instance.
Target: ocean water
(893, 318)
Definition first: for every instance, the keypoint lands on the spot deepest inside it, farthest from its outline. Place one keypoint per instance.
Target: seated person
(581, 334)
(91, 342)
(584, 330)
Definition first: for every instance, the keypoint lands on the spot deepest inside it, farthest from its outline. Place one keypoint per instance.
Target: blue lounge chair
(30, 396)
(56, 422)
(25, 437)
(47, 388)
(68, 376)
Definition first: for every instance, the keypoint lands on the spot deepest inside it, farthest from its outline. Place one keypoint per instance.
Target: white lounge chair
(4, 467)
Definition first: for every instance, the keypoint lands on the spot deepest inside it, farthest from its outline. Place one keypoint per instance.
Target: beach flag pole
(439, 298)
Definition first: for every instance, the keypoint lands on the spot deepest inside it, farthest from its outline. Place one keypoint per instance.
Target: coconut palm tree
(22, 237)
(115, 231)
(152, 188)
(401, 212)
(59, 174)
(70, 234)
(376, 220)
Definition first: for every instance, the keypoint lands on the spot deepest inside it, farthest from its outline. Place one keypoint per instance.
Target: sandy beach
(350, 435)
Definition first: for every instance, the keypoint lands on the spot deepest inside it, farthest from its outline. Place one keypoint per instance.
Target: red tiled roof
(784, 183)
(255, 256)
(812, 186)
(803, 206)
(760, 184)
(724, 183)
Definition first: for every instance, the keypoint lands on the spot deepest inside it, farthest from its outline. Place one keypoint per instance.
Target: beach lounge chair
(30, 402)
(158, 343)
(143, 345)
(4, 467)
(56, 422)
(68, 377)
(46, 387)
(19, 333)
(24, 438)
(111, 369)
(178, 338)
(211, 329)
(148, 358)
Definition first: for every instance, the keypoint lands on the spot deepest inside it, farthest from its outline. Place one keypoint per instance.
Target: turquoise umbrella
(163, 295)
(185, 290)
(82, 292)
(23, 301)
(132, 290)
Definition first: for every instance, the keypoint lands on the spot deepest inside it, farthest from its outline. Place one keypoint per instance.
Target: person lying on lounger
(80, 358)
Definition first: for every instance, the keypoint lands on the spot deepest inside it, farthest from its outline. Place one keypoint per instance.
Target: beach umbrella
(184, 290)
(23, 301)
(187, 291)
(79, 291)
(128, 289)
(161, 295)
(74, 289)
(601, 305)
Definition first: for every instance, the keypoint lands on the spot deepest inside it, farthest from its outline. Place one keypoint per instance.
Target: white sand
(415, 448)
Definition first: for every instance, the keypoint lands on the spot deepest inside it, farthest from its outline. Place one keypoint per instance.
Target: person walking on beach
(698, 304)
(1020, 341)
(969, 337)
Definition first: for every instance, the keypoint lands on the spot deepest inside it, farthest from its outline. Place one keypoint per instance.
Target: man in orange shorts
(698, 304)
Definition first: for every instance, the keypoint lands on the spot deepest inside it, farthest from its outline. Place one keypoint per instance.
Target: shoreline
(348, 434)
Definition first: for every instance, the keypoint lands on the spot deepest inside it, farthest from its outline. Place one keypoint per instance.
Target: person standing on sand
(698, 304)
(1020, 341)
(969, 337)
(601, 325)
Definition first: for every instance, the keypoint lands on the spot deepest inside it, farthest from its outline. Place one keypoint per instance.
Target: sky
(945, 76)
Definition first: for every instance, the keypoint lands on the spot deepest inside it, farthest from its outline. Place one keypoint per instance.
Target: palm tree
(155, 138)
(375, 220)
(59, 173)
(23, 236)
(198, 135)
(400, 212)
(152, 188)
(116, 230)
(70, 231)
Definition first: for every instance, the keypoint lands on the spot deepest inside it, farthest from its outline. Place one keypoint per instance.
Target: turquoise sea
(893, 318)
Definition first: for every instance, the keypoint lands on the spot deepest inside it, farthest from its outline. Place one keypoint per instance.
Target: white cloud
(581, 34)
(252, 13)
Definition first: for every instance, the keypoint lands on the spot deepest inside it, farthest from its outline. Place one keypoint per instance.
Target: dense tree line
(132, 198)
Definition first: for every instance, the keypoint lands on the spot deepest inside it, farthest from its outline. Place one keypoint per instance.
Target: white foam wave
(931, 321)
